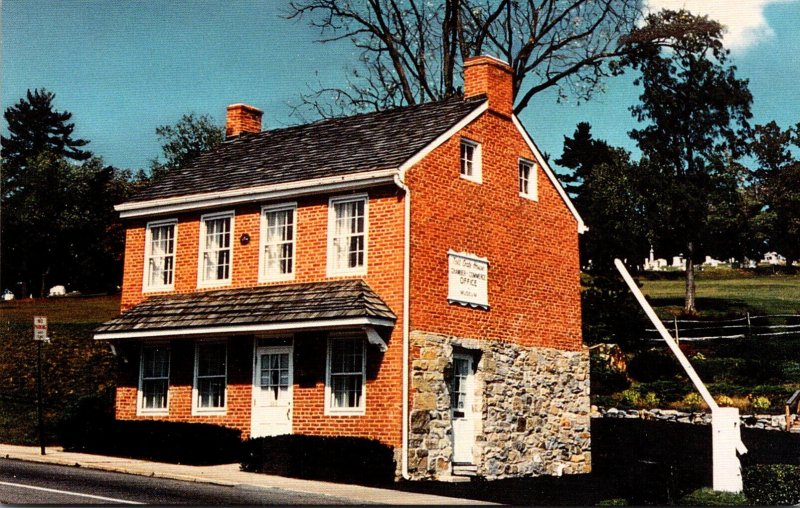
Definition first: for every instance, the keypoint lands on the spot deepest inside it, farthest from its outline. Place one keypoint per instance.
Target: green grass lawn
(716, 297)
(75, 366)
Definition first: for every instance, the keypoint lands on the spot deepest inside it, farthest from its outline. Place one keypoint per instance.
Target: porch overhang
(260, 310)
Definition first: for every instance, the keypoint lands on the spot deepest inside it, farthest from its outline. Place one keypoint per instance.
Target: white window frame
(148, 252)
(345, 411)
(332, 269)
(201, 282)
(263, 276)
(533, 180)
(140, 409)
(196, 409)
(477, 166)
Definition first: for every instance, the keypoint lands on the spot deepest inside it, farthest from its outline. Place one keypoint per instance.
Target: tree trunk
(689, 302)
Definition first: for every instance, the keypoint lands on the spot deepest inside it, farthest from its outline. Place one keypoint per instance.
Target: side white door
(462, 400)
(272, 391)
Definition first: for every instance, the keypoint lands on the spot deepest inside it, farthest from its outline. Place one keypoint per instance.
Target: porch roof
(250, 310)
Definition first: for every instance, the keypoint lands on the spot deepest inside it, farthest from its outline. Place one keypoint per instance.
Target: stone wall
(533, 402)
(752, 421)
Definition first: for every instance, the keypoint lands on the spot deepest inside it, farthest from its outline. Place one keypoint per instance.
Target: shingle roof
(252, 306)
(334, 147)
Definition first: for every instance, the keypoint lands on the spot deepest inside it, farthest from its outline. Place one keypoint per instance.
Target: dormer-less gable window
(159, 256)
(347, 235)
(471, 160)
(216, 250)
(527, 180)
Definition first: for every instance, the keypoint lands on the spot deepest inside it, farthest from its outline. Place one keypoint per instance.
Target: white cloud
(744, 20)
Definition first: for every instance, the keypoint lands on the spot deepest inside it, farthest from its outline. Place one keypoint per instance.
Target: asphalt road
(33, 483)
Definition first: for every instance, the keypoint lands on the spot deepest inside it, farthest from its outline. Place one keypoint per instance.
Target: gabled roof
(247, 310)
(328, 148)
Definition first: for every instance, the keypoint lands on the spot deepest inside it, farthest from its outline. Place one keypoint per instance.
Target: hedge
(336, 459)
(773, 484)
(174, 442)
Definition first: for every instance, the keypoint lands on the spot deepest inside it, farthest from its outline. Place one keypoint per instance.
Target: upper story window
(346, 375)
(210, 377)
(277, 242)
(159, 256)
(471, 160)
(154, 379)
(527, 179)
(347, 235)
(216, 232)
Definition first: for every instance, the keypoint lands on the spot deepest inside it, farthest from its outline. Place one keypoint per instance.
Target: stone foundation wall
(533, 402)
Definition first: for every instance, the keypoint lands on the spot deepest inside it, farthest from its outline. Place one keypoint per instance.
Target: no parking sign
(40, 328)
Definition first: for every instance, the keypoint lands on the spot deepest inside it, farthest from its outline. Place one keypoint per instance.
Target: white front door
(462, 400)
(272, 392)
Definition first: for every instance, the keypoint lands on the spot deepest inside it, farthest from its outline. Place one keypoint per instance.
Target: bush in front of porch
(336, 459)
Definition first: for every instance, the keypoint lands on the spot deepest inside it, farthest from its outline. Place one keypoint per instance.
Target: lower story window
(346, 375)
(210, 376)
(154, 378)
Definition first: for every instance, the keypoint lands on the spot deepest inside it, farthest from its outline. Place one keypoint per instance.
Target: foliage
(774, 484)
(695, 113)
(709, 497)
(412, 51)
(174, 442)
(337, 459)
(180, 143)
(777, 178)
(617, 501)
(653, 364)
(692, 400)
(609, 312)
(724, 401)
(604, 379)
(59, 226)
(760, 403)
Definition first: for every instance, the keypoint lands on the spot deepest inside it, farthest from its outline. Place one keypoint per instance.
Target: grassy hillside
(737, 294)
(738, 371)
(75, 367)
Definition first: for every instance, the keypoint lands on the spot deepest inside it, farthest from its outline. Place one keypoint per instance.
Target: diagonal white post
(726, 439)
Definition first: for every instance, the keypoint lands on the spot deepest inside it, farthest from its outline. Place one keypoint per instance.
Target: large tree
(187, 138)
(411, 51)
(695, 113)
(777, 179)
(57, 204)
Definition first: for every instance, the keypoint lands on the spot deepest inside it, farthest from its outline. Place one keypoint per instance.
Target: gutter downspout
(406, 325)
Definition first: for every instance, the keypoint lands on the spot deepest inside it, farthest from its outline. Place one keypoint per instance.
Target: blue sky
(125, 67)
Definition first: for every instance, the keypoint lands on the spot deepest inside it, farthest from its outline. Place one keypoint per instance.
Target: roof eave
(190, 202)
(251, 328)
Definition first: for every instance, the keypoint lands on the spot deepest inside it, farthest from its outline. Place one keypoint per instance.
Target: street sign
(40, 328)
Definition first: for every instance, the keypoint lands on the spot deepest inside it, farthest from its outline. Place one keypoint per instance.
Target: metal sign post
(40, 336)
(726, 437)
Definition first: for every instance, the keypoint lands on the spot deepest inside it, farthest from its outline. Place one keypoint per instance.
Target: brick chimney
(242, 118)
(488, 75)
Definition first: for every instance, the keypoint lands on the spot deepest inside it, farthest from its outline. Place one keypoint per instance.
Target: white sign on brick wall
(468, 277)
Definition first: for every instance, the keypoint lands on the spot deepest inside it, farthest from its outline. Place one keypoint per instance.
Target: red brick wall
(532, 246)
(242, 118)
(384, 276)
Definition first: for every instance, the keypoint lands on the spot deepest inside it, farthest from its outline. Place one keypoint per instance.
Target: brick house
(409, 275)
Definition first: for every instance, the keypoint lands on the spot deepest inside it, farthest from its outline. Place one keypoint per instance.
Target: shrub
(774, 484)
(338, 459)
(724, 401)
(653, 365)
(760, 403)
(617, 501)
(708, 497)
(692, 400)
(175, 442)
(630, 397)
(650, 400)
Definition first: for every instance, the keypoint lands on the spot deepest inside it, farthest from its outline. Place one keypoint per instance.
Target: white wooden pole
(726, 438)
(698, 383)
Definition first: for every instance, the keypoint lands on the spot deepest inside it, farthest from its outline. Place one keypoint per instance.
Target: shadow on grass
(709, 307)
